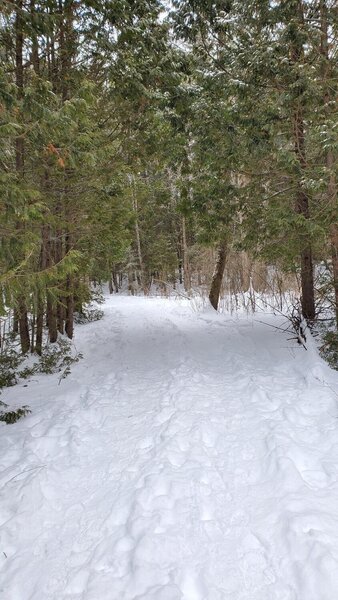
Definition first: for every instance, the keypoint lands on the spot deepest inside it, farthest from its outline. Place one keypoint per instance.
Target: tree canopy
(135, 136)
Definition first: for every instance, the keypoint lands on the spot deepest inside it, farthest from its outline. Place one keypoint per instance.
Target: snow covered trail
(187, 457)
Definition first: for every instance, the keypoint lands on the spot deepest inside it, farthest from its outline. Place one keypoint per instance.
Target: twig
(274, 326)
(172, 287)
(26, 471)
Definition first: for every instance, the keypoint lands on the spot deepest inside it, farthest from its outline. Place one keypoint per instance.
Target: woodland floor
(188, 456)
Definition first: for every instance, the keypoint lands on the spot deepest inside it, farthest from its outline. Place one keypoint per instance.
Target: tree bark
(35, 46)
(19, 155)
(33, 332)
(23, 327)
(40, 300)
(19, 159)
(115, 280)
(51, 319)
(185, 257)
(180, 266)
(15, 321)
(39, 324)
(217, 278)
(138, 241)
(302, 199)
(69, 322)
(58, 255)
(66, 9)
(51, 308)
(66, 45)
(69, 325)
(334, 251)
(330, 159)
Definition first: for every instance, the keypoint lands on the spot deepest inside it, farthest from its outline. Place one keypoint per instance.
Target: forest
(149, 143)
(168, 299)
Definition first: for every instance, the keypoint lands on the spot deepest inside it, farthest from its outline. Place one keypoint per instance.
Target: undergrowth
(55, 358)
(329, 348)
(88, 315)
(12, 416)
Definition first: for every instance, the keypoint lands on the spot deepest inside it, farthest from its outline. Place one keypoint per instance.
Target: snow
(188, 456)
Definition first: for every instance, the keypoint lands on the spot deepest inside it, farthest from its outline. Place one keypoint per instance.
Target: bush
(56, 358)
(9, 362)
(88, 315)
(329, 348)
(52, 356)
(12, 416)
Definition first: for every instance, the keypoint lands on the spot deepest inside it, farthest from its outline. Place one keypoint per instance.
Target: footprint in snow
(209, 438)
(248, 451)
(206, 512)
(239, 517)
(164, 416)
(182, 443)
(163, 592)
(256, 571)
(146, 444)
(192, 586)
(176, 459)
(315, 479)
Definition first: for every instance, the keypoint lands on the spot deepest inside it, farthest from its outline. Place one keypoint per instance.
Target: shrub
(88, 315)
(12, 416)
(9, 362)
(57, 357)
(329, 348)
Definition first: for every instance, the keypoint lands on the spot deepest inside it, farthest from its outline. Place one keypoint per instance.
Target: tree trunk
(307, 284)
(51, 319)
(59, 254)
(115, 281)
(138, 240)
(35, 46)
(50, 50)
(33, 333)
(334, 248)
(330, 159)
(23, 327)
(185, 257)
(302, 199)
(306, 264)
(217, 278)
(39, 325)
(15, 321)
(67, 45)
(19, 154)
(69, 323)
(19, 158)
(180, 271)
(60, 315)
(40, 301)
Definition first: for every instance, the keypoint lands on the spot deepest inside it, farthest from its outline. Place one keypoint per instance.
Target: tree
(262, 62)
(328, 27)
